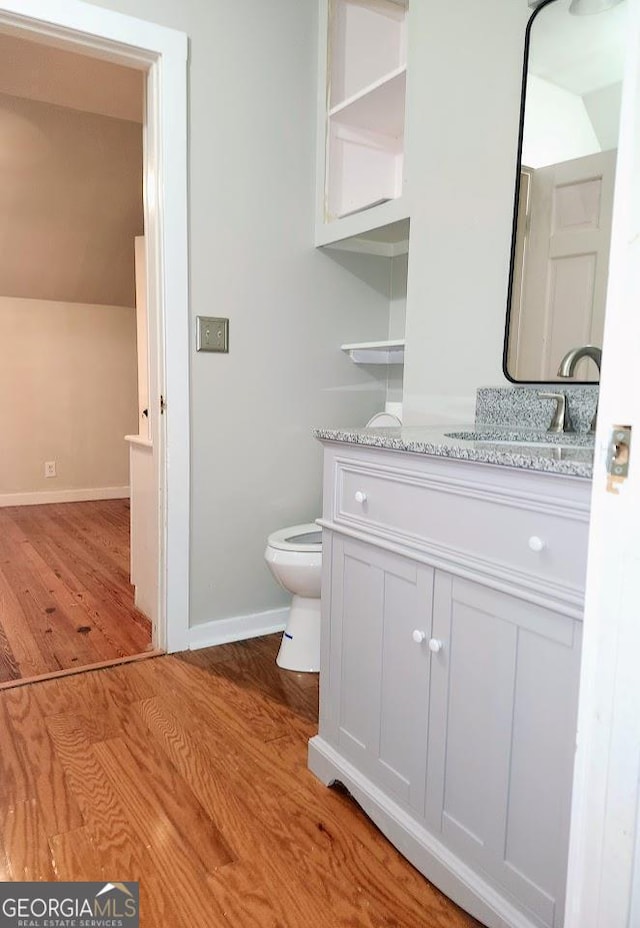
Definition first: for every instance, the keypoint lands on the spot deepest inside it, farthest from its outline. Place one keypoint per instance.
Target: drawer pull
(536, 544)
(435, 645)
(419, 636)
(360, 496)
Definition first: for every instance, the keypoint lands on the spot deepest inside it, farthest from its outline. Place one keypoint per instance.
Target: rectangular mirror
(574, 59)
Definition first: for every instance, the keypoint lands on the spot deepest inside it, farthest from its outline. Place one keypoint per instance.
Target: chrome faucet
(571, 358)
(560, 421)
(568, 366)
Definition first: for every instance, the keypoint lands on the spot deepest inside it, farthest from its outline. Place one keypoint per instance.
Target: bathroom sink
(529, 438)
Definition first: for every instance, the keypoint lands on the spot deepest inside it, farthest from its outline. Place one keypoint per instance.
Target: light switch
(212, 334)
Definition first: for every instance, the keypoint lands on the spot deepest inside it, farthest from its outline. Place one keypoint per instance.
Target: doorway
(152, 50)
(72, 356)
(66, 601)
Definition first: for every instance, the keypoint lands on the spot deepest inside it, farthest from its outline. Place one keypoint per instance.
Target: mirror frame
(514, 225)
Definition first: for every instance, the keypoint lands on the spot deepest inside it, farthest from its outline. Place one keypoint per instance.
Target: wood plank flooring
(188, 773)
(65, 597)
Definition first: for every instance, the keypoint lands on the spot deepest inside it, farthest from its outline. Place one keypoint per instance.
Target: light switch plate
(212, 334)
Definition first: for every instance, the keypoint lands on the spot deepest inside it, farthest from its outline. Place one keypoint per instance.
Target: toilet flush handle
(360, 496)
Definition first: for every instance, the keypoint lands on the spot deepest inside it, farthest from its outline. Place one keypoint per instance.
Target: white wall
(256, 466)
(397, 323)
(557, 127)
(69, 394)
(464, 101)
(603, 107)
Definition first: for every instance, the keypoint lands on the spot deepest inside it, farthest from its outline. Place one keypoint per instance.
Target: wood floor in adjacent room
(65, 596)
(188, 773)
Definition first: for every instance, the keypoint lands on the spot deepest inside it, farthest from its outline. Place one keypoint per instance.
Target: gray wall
(255, 465)
(462, 166)
(252, 111)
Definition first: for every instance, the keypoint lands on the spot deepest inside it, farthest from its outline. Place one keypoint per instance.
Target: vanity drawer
(451, 519)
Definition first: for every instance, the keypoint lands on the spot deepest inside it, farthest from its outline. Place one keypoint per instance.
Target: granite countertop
(508, 446)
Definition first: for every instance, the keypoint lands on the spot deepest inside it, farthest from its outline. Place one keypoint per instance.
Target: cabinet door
(379, 673)
(502, 739)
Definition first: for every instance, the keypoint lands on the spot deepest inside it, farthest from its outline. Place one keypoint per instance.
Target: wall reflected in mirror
(562, 230)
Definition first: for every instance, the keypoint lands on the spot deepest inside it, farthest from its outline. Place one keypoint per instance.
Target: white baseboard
(40, 497)
(224, 631)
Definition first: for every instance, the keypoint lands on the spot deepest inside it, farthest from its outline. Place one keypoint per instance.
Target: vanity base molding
(436, 862)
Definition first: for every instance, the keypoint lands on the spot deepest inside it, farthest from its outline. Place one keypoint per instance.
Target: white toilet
(294, 556)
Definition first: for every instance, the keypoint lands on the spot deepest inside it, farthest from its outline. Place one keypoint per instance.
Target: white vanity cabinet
(452, 603)
(502, 722)
(379, 599)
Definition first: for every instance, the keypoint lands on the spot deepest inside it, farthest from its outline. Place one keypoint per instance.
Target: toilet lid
(307, 537)
(383, 419)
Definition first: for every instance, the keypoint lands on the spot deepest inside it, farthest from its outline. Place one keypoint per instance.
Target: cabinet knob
(435, 645)
(536, 544)
(361, 496)
(419, 636)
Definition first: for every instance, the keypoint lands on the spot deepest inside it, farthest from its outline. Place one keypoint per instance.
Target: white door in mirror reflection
(564, 248)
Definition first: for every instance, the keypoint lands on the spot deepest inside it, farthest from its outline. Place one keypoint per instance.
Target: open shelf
(363, 224)
(388, 242)
(385, 352)
(363, 127)
(378, 108)
(365, 169)
(367, 40)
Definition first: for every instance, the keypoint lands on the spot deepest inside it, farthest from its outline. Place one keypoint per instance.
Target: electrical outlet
(212, 334)
(50, 468)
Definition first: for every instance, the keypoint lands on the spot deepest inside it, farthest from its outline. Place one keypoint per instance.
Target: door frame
(161, 53)
(603, 884)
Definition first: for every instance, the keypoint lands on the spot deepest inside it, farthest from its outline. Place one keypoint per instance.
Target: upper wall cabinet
(363, 65)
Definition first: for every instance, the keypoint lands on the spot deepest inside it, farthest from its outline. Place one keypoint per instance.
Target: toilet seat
(293, 538)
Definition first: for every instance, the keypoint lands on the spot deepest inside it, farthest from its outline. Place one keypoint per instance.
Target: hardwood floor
(188, 773)
(65, 596)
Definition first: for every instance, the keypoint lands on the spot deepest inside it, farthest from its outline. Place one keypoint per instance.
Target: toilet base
(300, 647)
